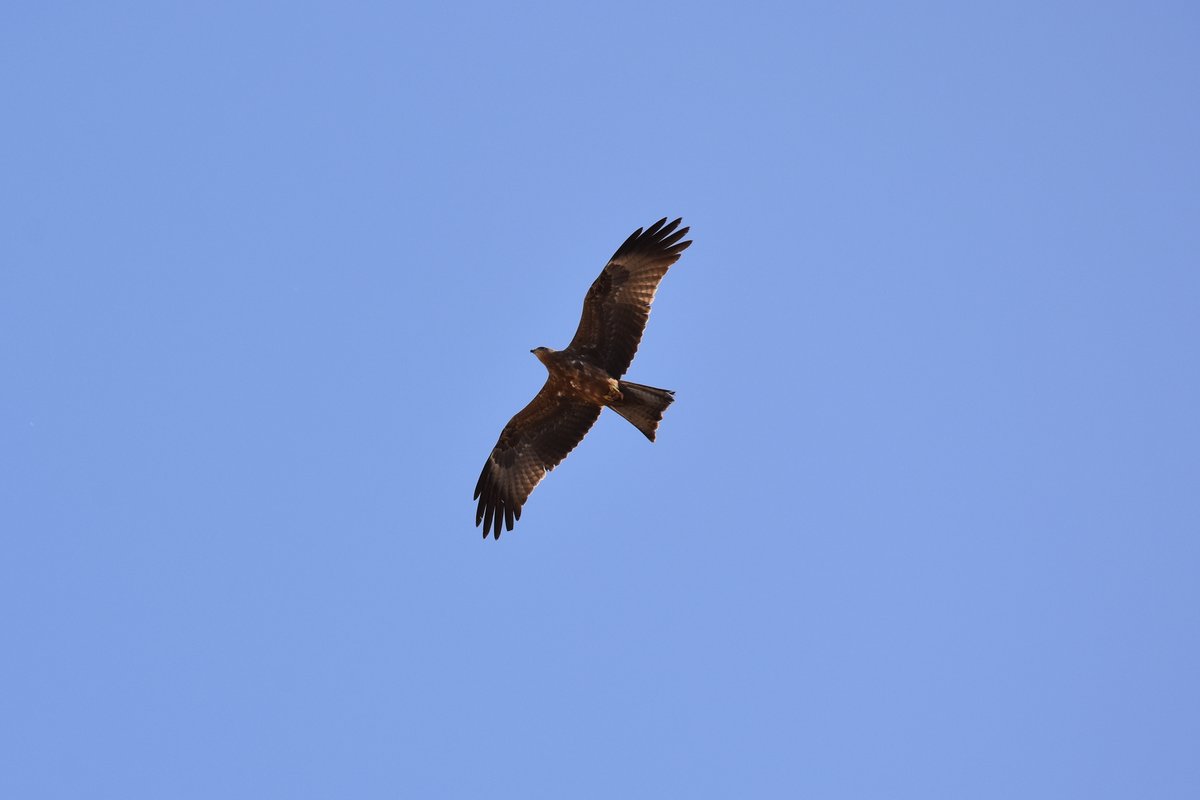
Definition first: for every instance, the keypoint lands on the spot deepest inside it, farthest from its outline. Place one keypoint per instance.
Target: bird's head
(541, 353)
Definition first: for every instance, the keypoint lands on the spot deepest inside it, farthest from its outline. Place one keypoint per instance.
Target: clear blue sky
(923, 522)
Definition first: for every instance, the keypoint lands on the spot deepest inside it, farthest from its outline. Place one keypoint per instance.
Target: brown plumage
(584, 378)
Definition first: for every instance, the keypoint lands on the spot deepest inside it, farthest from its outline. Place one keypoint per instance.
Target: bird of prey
(584, 378)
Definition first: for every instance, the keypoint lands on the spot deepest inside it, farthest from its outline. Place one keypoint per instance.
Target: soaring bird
(584, 378)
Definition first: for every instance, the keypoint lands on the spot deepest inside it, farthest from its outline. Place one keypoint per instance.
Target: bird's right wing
(533, 442)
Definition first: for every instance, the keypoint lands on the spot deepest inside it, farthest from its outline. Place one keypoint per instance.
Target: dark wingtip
(660, 237)
(654, 229)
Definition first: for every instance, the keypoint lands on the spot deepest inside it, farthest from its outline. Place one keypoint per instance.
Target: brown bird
(584, 378)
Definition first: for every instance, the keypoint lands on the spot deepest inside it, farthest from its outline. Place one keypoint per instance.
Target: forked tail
(643, 406)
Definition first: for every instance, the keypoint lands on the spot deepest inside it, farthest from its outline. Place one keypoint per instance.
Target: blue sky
(922, 522)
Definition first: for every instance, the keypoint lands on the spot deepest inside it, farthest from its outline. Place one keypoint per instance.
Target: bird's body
(571, 374)
(584, 378)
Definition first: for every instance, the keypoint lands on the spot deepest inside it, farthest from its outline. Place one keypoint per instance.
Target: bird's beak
(534, 350)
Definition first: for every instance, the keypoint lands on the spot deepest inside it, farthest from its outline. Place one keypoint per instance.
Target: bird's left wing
(531, 444)
(617, 305)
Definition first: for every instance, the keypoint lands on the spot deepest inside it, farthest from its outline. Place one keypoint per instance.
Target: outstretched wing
(618, 303)
(531, 444)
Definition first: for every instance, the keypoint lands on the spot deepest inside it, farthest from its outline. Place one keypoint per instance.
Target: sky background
(923, 521)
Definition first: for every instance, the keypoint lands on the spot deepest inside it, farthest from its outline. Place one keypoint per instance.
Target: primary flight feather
(584, 378)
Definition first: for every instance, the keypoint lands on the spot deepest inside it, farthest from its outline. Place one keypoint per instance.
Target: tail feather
(643, 406)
